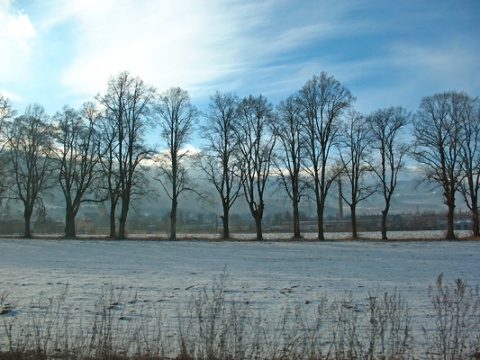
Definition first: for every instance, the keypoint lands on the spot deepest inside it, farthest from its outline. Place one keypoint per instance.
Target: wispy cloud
(448, 65)
(384, 52)
(188, 43)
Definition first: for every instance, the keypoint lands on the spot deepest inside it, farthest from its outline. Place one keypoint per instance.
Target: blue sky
(57, 52)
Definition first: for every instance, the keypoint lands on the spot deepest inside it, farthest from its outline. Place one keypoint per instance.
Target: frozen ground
(269, 275)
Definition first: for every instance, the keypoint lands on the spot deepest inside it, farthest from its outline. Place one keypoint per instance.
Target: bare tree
(220, 162)
(256, 141)
(469, 117)
(77, 155)
(28, 150)
(438, 133)
(289, 159)
(323, 101)
(6, 112)
(177, 118)
(108, 161)
(354, 148)
(386, 126)
(127, 104)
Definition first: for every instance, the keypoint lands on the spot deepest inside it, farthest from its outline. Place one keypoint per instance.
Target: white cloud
(166, 43)
(17, 36)
(191, 44)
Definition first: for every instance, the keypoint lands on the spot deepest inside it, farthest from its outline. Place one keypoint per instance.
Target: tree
(354, 148)
(77, 155)
(110, 170)
(127, 104)
(28, 151)
(438, 133)
(469, 117)
(289, 160)
(220, 162)
(177, 118)
(6, 112)
(386, 126)
(323, 101)
(256, 141)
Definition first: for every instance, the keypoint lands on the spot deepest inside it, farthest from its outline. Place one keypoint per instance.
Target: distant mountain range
(411, 196)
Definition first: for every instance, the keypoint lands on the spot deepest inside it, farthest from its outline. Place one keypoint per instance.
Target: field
(161, 289)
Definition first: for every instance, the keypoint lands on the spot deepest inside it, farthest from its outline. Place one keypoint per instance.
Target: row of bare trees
(315, 139)
(309, 142)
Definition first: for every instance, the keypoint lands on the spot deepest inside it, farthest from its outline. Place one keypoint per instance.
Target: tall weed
(456, 334)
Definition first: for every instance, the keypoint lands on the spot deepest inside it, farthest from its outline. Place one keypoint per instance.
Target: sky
(387, 53)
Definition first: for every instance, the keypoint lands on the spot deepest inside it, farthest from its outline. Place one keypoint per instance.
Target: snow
(270, 275)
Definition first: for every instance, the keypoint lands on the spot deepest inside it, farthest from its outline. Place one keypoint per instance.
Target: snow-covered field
(270, 276)
(259, 272)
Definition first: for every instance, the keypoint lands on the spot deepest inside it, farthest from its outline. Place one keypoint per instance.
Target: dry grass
(215, 325)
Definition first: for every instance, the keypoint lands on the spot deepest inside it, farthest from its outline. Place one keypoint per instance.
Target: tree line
(310, 141)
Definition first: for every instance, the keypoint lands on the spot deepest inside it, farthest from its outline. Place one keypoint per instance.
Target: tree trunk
(226, 230)
(113, 207)
(450, 235)
(258, 226)
(321, 232)
(173, 220)
(475, 222)
(385, 216)
(121, 229)
(27, 215)
(70, 231)
(353, 218)
(383, 226)
(296, 221)
(122, 223)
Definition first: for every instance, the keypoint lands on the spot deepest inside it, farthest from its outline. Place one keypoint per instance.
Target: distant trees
(445, 148)
(176, 117)
(256, 139)
(128, 111)
(77, 155)
(220, 160)
(386, 127)
(29, 143)
(323, 101)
